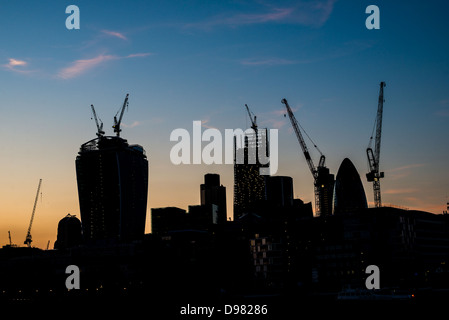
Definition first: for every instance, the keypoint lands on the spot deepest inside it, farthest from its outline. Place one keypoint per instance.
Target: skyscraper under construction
(249, 185)
(112, 181)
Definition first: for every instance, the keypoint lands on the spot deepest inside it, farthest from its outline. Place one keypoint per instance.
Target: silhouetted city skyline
(207, 159)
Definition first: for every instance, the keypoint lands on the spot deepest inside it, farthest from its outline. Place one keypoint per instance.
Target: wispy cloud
(15, 62)
(267, 62)
(400, 191)
(310, 13)
(406, 167)
(138, 55)
(114, 34)
(273, 123)
(132, 125)
(444, 108)
(79, 67)
(205, 125)
(403, 171)
(16, 65)
(442, 113)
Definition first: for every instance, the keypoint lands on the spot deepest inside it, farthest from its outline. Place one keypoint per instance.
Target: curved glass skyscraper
(112, 181)
(349, 193)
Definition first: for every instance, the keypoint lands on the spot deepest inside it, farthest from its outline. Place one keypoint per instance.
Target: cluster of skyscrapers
(112, 178)
(273, 244)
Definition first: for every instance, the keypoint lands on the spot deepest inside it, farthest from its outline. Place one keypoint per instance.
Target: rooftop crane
(116, 125)
(252, 117)
(100, 131)
(314, 170)
(28, 236)
(374, 175)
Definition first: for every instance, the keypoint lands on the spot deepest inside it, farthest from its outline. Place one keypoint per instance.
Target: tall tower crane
(28, 236)
(99, 123)
(252, 117)
(320, 174)
(117, 123)
(374, 175)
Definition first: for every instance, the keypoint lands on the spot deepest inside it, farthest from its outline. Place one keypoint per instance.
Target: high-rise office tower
(349, 192)
(279, 191)
(325, 186)
(213, 197)
(249, 185)
(112, 181)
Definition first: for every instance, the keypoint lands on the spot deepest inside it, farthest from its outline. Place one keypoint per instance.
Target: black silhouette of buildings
(410, 247)
(167, 219)
(279, 191)
(211, 211)
(325, 184)
(69, 232)
(349, 193)
(112, 181)
(213, 198)
(275, 248)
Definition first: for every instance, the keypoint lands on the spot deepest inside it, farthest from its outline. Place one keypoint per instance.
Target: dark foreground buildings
(276, 252)
(213, 198)
(69, 232)
(112, 181)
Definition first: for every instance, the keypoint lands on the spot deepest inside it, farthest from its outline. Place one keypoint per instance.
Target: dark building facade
(411, 248)
(69, 232)
(249, 185)
(349, 191)
(112, 181)
(279, 191)
(325, 186)
(213, 197)
(167, 219)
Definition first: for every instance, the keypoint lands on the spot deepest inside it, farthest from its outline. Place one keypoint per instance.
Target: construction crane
(374, 175)
(252, 117)
(28, 236)
(321, 173)
(117, 123)
(99, 123)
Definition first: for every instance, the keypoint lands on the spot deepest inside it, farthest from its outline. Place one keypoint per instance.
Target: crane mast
(252, 117)
(118, 122)
(320, 174)
(375, 175)
(28, 236)
(100, 131)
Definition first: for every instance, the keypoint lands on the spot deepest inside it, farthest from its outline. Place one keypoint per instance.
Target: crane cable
(310, 138)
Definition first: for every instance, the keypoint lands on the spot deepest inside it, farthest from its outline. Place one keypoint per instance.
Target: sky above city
(185, 61)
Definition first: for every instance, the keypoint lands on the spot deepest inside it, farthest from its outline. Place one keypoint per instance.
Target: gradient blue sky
(182, 61)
